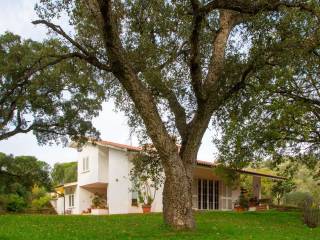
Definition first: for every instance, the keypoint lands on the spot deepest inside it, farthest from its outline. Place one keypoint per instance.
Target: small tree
(281, 188)
(147, 174)
(64, 173)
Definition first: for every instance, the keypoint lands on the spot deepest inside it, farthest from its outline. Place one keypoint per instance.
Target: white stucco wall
(84, 200)
(119, 183)
(235, 194)
(75, 208)
(89, 176)
(58, 205)
(103, 155)
(97, 165)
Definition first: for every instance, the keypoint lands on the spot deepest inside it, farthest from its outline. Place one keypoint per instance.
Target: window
(199, 194)
(85, 164)
(71, 200)
(134, 195)
(204, 194)
(134, 198)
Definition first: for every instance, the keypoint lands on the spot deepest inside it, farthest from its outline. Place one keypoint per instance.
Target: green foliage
(38, 192)
(39, 198)
(64, 173)
(155, 37)
(146, 174)
(43, 91)
(41, 202)
(229, 176)
(243, 201)
(15, 203)
(21, 173)
(306, 181)
(297, 199)
(280, 188)
(22, 180)
(266, 183)
(99, 202)
(311, 214)
(276, 115)
(302, 177)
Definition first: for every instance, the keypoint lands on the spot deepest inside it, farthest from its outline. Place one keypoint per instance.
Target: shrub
(41, 202)
(311, 214)
(99, 202)
(15, 203)
(297, 198)
(243, 201)
(3, 202)
(311, 217)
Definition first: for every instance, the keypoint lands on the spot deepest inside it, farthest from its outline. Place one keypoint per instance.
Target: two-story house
(104, 169)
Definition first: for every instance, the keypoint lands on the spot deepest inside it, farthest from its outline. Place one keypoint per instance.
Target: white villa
(104, 168)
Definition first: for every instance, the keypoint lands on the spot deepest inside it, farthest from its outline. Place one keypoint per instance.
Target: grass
(210, 225)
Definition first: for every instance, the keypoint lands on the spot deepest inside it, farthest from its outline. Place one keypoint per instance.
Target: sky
(16, 17)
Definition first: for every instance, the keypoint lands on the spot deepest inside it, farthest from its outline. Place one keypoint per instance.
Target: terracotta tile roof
(205, 163)
(118, 145)
(257, 173)
(243, 171)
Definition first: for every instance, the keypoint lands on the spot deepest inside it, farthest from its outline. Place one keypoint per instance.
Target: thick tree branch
(88, 56)
(312, 101)
(228, 19)
(60, 31)
(176, 108)
(195, 62)
(254, 7)
(140, 95)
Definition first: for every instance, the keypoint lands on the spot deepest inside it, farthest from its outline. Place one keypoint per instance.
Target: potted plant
(146, 176)
(242, 204)
(99, 205)
(146, 203)
(253, 203)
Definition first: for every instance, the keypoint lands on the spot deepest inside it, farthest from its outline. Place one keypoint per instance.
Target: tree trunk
(177, 195)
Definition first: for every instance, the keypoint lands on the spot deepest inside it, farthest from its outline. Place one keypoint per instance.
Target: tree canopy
(26, 171)
(276, 115)
(44, 91)
(64, 173)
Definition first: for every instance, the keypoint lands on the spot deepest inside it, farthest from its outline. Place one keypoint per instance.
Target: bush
(41, 202)
(311, 214)
(15, 203)
(311, 217)
(243, 201)
(3, 202)
(297, 198)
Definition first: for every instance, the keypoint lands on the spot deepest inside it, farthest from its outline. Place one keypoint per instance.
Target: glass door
(208, 194)
(226, 197)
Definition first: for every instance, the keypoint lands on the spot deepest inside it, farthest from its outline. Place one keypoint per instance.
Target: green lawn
(210, 225)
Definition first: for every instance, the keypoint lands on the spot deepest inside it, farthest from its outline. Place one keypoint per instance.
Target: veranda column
(256, 184)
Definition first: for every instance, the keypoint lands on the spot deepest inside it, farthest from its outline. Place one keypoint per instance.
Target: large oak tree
(175, 63)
